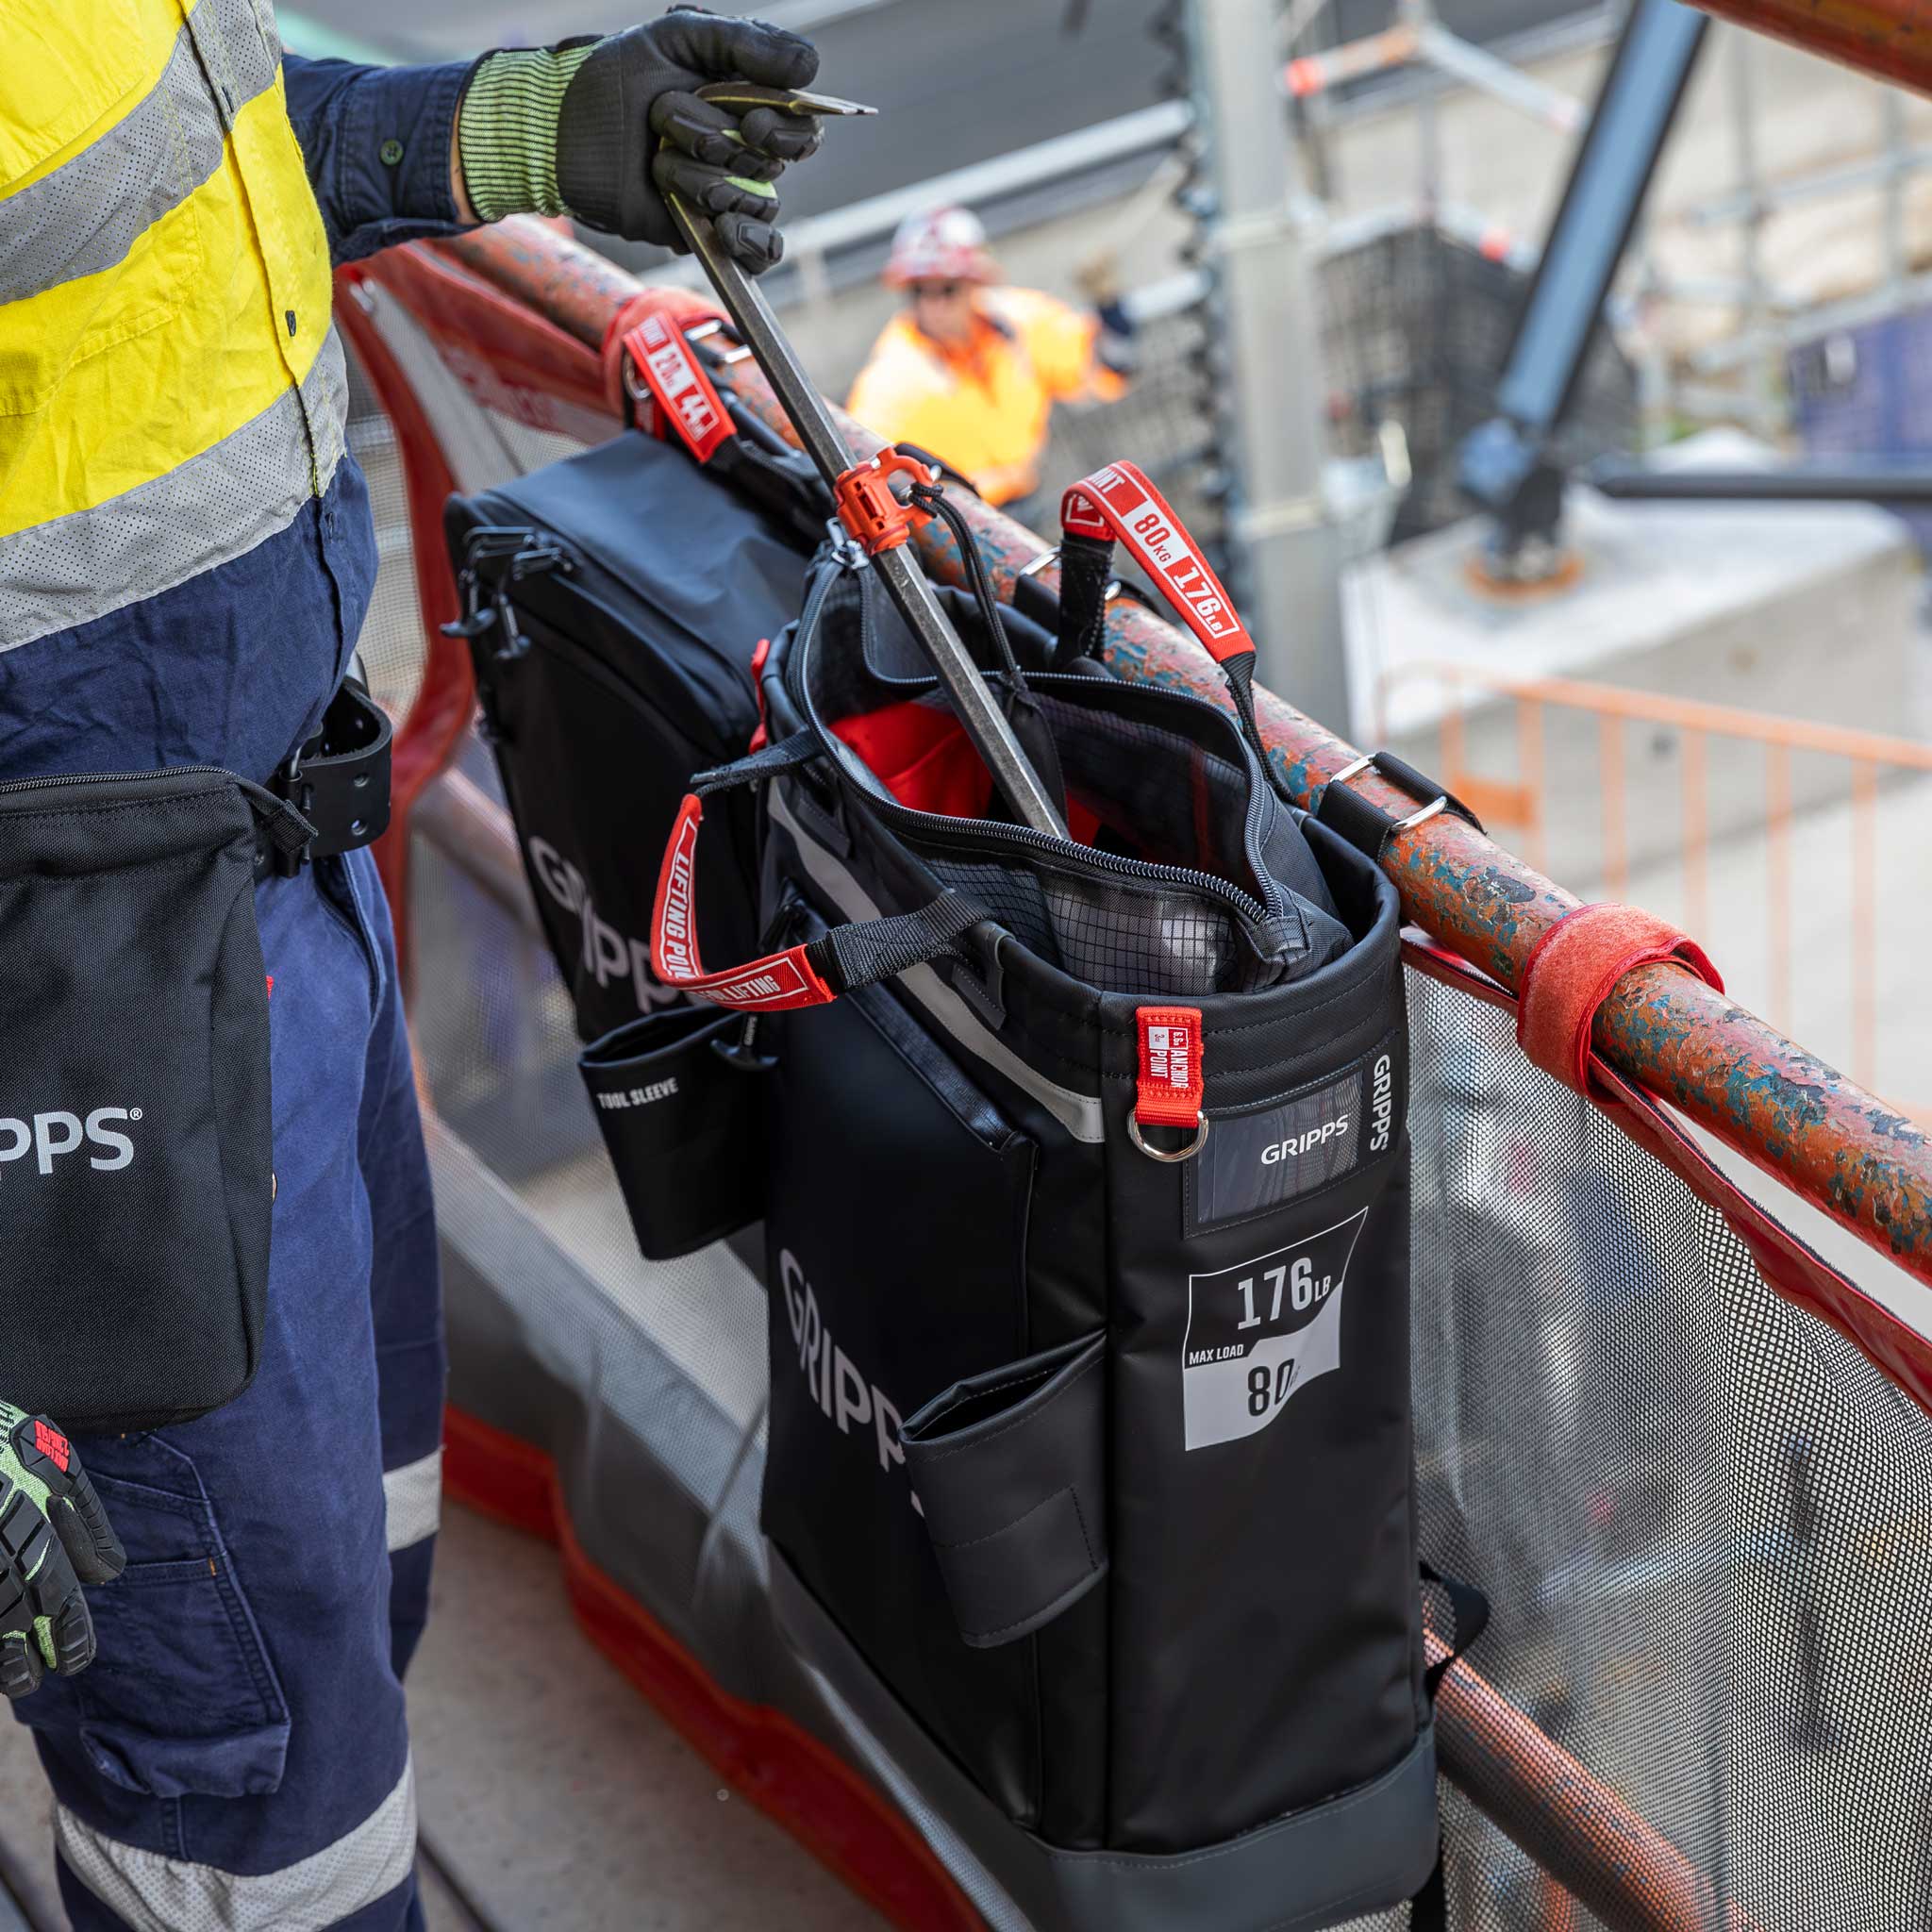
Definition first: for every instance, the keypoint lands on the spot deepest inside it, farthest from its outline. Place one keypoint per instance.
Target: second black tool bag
(1090, 1469)
(615, 602)
(136, 1134)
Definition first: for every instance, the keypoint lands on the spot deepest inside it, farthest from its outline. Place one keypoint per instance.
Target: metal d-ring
(1186, 1153)
(1438, 803)
(1353, 769)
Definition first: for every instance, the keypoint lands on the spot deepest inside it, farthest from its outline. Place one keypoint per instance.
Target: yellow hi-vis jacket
(171, 389)
(984, 408)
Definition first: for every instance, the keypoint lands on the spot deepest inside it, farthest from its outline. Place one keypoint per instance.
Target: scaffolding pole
(1286, 550)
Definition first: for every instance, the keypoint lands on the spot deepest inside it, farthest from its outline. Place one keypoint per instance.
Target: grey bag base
(1363, 1851)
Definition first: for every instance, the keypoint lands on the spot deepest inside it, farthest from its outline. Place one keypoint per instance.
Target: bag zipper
(934, 829)
(256, 793)
(267, 806)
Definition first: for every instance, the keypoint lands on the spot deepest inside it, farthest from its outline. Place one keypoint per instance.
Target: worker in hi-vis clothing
(186, 559)
(968, 371)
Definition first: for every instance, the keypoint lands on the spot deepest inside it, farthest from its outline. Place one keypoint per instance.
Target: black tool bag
(1090, 1468)
(135, 1127)
(615, 602)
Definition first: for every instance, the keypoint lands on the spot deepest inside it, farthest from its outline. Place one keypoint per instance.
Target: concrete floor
(551, 1794)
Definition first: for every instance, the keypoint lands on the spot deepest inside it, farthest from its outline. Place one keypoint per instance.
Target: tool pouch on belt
(135, 1132)
(1090, 1463)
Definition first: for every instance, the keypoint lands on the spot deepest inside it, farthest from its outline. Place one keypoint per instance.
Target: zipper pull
(287, 833)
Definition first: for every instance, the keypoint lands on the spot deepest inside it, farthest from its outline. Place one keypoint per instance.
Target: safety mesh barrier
(1702, 1517)
(1415, 324)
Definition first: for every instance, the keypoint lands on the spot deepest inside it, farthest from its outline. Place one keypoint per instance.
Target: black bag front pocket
(681, 1104)
(1010, 1470)
(135, 1137)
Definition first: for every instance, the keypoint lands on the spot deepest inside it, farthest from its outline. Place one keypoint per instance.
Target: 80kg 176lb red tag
(686, 397)
(1170, 1089)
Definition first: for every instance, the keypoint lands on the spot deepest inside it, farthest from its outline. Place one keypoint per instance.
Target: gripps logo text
(1297, 1145)
(608, 954)
(1381, 1102)
(832, 1378)
(51, 1137)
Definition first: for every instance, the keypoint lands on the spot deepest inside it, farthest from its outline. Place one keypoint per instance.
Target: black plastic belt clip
(338, 781)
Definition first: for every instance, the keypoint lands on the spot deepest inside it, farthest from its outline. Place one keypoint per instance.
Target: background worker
(970, 371)
(186, 559)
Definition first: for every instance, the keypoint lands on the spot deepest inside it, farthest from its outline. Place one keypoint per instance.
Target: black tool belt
(338, 781)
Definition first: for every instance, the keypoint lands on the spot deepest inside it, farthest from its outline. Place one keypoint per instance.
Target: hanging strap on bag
(1119, 504)
(1469, 1610)
(812, 973)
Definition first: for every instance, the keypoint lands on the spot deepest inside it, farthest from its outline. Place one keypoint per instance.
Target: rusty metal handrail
(1868, 755)
(1778, 1105)
(1889, 39)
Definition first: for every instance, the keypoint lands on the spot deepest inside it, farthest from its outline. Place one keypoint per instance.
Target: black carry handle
(1119, 502)
(813, 972)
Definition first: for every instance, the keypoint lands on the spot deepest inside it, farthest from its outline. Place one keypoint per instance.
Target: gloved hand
(54, 1537)
(599, 129)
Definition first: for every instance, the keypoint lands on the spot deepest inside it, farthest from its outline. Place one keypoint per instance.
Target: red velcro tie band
(1572, 970)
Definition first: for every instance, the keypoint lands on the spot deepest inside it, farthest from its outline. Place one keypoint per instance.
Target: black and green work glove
(54, 1537)
(599, 130)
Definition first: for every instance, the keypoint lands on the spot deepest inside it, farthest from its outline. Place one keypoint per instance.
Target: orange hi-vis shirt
(984, 404)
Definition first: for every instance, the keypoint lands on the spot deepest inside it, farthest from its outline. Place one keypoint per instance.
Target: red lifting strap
(778, 981)
(687, 398)
(1572, 970)
(1119, 502)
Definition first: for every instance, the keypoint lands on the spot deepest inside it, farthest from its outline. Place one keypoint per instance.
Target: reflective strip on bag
(413, 1495)
(152, 1893)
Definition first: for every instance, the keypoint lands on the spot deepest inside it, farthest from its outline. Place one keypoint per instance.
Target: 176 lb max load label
(1261, 1331)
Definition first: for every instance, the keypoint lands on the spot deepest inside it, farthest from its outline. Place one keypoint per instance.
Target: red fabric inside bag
(922, 757)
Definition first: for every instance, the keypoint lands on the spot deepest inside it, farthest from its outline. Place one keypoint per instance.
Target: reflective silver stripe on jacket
(155, 1893)
(86, 214)
(414, 1496)
(214, 506)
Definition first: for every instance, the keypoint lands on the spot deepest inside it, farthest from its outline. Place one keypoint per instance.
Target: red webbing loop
(1169, 1090)
(678, 306)
(762, 736)
(774, 983)
(1572, 970)
(686, 397)
(1119, 502)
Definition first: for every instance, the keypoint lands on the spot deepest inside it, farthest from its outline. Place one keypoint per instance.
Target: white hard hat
(945, 244)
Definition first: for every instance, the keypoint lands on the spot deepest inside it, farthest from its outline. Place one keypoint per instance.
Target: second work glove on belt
(598, 129)
(54, 1537)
